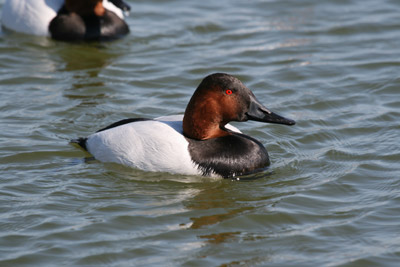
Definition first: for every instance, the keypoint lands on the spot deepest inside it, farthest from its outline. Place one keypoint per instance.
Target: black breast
(68, 26)
(228, 156)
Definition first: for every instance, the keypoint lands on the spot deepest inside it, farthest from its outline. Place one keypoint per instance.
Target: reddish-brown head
(86, 7)
(219, 99)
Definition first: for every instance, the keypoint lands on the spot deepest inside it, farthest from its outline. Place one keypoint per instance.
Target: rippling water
(331, 196)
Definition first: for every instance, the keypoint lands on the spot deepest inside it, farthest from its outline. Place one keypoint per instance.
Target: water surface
(330, 198)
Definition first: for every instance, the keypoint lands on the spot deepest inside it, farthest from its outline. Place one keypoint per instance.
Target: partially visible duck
(99, 19)
(199, 143)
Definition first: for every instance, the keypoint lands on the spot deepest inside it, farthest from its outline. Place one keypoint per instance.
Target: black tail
(81, 141)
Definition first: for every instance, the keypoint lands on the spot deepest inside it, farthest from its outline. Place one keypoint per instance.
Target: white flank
(30, 16)
(110, 6)
(146, 145)
(155, 145)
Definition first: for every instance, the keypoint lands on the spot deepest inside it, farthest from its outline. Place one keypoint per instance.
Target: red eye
(228, 92)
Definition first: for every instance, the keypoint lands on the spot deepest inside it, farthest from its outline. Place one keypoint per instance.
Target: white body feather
(154, 145)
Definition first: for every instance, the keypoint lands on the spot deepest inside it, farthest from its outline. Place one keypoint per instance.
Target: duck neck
(201, 121)
(88, 8)
(99, 9)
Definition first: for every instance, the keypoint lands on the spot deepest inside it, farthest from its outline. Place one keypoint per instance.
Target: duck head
(86, 7)
(219, 99)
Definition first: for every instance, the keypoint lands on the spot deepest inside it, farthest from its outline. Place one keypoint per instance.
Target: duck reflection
(218, 198)
(226, 201)
(85, 62)
(90, 57)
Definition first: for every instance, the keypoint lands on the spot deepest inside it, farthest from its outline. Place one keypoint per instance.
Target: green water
(330, 198)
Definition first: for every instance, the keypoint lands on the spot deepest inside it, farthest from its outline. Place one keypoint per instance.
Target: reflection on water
(221, 237)
(90, 57)
(206, 201)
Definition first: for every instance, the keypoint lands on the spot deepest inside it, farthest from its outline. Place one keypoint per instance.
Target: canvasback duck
(67, 20)
(201, 142)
